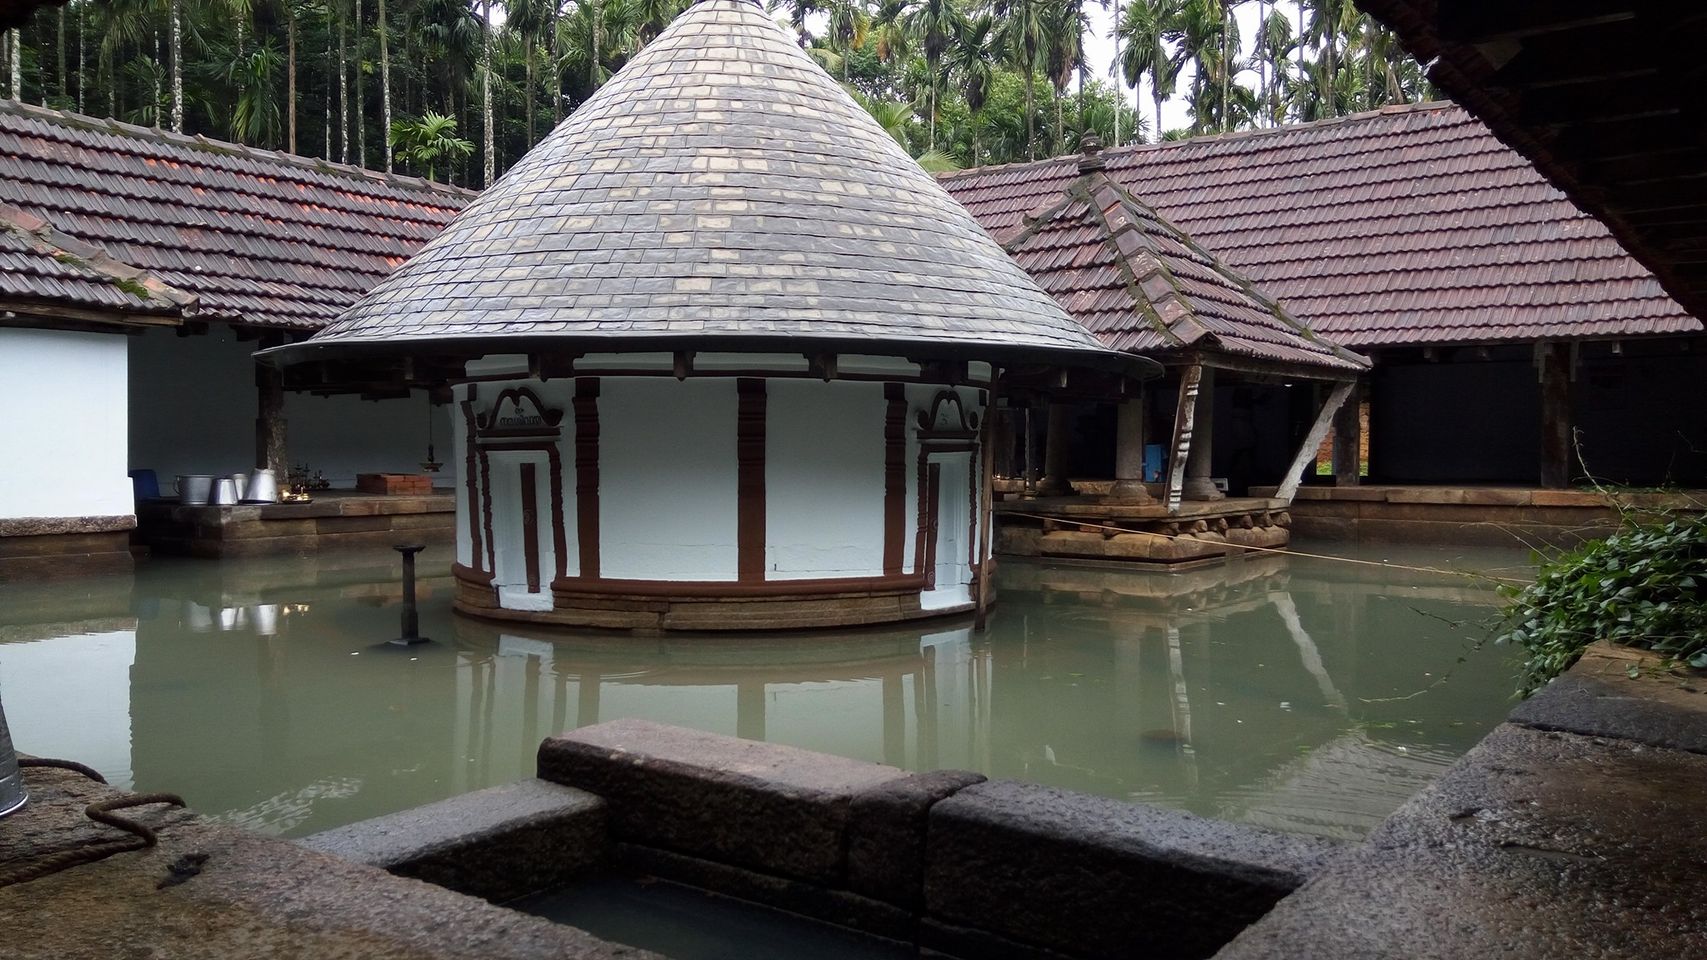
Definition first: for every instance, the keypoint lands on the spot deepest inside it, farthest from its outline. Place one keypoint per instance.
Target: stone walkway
(220, 893)
(1573, 830)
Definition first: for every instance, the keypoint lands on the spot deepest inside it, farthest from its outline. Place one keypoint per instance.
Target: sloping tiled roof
(42, 269)
(1141, 284)
(255, 236)
(1411, 225)
(721, 189)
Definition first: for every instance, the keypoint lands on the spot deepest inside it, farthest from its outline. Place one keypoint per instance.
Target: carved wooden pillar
(1198, 463)
(1056, 451)
(1555, 362)
(1129, 453)
(270, 421)
(1348, 442)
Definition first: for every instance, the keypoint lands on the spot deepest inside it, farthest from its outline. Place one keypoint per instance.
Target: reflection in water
(1296, 693)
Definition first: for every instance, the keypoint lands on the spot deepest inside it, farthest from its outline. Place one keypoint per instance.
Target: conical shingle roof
(720, 192)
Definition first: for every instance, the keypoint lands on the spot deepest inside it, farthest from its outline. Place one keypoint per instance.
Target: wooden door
(530, 523)
(933, 520)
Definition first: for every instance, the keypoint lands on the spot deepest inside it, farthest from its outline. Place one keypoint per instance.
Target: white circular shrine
(718, 354)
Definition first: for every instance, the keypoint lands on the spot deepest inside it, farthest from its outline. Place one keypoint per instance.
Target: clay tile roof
(1140, 283)
(43, 270)
(1410, 225)
(251, 236)
(720, 189)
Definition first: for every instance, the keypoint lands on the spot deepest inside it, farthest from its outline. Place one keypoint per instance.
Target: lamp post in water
(411, 616)
(12, 793)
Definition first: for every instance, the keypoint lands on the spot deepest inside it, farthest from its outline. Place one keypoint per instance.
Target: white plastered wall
(62, 435)
(667, 479)
(824, 474)
(193, 404)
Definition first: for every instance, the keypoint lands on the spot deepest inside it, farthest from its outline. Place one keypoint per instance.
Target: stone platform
(334, 519)
(1571, 831)
(1091, 527)
(1496, 516)
(220, 893)
(41, 547)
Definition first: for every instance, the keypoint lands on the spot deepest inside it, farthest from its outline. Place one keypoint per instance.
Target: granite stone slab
(499, 843)
(210, 892)
(1536, 845)
(1598, 698)
(767, 807)
(886, 834)
(1103, 878)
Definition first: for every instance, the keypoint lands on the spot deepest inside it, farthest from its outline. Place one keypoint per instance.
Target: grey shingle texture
(721, 185)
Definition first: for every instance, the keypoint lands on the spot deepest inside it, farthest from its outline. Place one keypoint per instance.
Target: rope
(1385, 565)
(141, 837)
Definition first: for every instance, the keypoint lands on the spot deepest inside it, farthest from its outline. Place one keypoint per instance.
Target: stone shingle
(721, 184)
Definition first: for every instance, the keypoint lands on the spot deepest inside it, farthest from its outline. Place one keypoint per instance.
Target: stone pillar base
(1201, 488)
(1054, 487)
(1130, 491)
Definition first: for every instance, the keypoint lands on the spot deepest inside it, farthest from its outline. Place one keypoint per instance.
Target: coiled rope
(140, 836)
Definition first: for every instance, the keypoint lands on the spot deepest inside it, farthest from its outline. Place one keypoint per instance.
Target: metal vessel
(194, 489)
(12, 793)
(224, 492)
(263, 487)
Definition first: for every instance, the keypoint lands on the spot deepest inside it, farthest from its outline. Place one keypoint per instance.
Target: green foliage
(981, 81)
(1643, 587)
(429, 141)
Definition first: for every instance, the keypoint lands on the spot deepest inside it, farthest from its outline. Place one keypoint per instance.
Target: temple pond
(1296, 693)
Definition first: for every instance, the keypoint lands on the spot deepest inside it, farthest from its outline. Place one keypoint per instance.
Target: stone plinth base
(35, 547)
(1478, 516)
(1109, 529)
(696, 607)
(332, 520)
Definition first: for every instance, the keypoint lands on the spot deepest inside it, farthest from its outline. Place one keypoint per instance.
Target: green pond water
(1295, 693)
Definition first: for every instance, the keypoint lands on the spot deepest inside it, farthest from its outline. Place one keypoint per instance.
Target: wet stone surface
(1598, 697)
(778, 809)
(224, 894)
(1102, 878)
(498, 843)
(1538, 844)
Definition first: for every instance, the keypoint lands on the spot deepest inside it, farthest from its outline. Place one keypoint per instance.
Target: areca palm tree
(847, 29)
(931, 24)
(1143, 30)
(426, 142)
(527, 23)
(972, 58)
(1021, 35)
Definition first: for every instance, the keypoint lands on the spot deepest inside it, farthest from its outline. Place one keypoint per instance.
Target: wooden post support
(1185, 415)
(1554, 360)
(270, 421)
(987, 507)
(1348, 443)
(1056, 449)
(1030, 450)
(1313, 441)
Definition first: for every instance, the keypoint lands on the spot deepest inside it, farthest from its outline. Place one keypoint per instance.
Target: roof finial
(1092, 159)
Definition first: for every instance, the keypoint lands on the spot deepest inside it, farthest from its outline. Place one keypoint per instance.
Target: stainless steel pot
(12, 793)
(194, 489)
(241, 482)
(263, 487)
(224, 492)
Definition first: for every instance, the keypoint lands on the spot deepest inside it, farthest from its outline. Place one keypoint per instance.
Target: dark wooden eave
(1603, 96)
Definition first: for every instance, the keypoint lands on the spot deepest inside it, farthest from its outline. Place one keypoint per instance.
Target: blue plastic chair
(144, 485)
